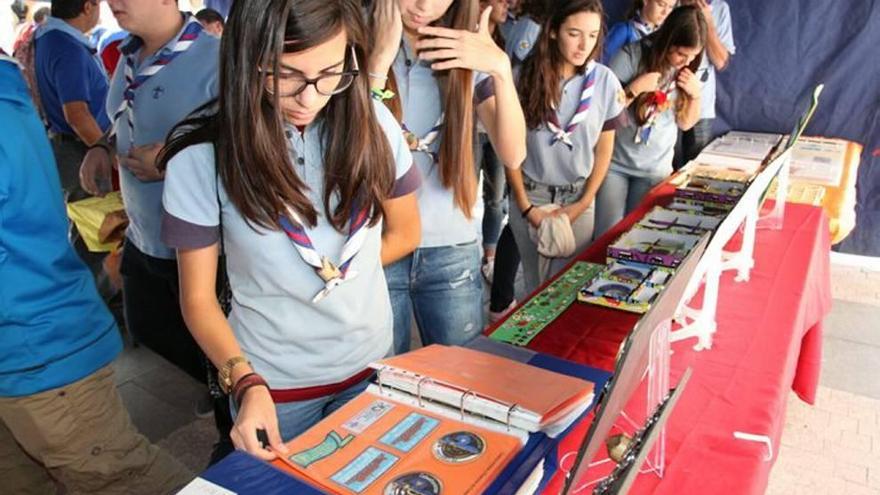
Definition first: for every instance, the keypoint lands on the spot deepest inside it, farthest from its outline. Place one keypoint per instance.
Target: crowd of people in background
(307, 185)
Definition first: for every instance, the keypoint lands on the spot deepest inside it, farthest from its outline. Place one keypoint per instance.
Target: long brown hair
(246, 123)
(539, 89)
(685, 27)
(456, 157)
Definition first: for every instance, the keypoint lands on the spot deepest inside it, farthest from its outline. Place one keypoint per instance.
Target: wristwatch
(224, 374)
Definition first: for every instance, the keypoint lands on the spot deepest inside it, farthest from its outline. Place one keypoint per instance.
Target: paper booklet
(506, 391)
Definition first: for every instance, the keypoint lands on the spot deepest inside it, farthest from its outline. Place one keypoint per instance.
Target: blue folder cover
(245, 474)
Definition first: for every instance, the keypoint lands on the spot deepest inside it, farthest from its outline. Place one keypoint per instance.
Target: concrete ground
(830, 448)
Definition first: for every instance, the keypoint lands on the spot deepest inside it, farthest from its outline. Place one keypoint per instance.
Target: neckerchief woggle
(643, 133)
(587, 88)
(332, 275)
(423, 143)
(191, 31)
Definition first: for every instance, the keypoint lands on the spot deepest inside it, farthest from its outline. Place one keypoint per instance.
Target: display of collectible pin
(460, 446)
(417, 483)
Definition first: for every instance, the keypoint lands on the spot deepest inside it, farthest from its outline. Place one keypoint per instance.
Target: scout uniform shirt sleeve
(723, 26)
(407, 178)
(625, 64)
(191, 210)
(612, 93)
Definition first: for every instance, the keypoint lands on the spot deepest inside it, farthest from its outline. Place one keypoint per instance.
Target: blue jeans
(297, 417)
(618, 195)
(443, 288)
(494, 191)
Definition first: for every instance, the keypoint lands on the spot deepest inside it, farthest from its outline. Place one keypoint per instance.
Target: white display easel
(700, 322)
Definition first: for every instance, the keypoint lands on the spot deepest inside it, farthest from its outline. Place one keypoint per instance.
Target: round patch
(628, 274)
(615, 291)
(460, 446)
(418, 483)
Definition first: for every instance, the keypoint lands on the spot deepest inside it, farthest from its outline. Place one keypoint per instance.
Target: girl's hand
(463, 49)
(649, 81)
(688, 83)
(537, 215)
(141, 161)
(387, 29)
(572, 211)
(257, 412)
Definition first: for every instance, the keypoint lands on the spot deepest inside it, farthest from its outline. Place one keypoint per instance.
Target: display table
(769, 341)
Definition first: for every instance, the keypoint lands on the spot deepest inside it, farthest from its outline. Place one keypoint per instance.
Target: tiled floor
(830, 448)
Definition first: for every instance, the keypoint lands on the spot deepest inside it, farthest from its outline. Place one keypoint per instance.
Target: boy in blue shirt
(61, 417)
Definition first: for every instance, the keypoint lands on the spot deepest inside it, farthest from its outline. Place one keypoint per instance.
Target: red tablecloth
(769, 341)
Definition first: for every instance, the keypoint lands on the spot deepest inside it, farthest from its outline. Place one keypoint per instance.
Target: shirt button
(408, 62)
(301, 161)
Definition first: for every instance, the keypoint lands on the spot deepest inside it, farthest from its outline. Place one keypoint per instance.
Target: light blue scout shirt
(557, 164)
(183, 85)
(721, 15)
(54, 327)
(291, 341)
(443, 223)
(521, 38)
(654, 158)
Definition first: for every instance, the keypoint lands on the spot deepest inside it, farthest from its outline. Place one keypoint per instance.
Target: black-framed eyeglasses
(291, 84)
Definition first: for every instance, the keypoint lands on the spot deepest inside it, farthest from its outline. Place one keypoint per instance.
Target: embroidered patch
(364, 469)
(367, 417)
(330, 445)
(409, 432)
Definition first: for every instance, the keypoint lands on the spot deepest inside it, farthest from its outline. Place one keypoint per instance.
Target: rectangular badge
(360, 422)
(409, 432)
(364, 469)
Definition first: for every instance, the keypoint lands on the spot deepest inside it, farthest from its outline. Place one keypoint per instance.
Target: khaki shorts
(80, 435)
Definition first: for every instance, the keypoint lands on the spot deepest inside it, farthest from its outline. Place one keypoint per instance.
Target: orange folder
(377, 445)
(547, 394)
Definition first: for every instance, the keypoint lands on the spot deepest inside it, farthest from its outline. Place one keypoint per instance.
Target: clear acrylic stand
(657, 374)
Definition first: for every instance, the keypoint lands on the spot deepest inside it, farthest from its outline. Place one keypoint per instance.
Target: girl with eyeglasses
(308, 187)
(436, 66)
(662, 94)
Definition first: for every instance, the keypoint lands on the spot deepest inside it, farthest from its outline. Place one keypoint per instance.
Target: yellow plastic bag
(89, 215)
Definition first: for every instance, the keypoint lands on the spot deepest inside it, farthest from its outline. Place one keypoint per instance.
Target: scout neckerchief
(657, 103)
(587, 88)
(423, 143)
(415, 142)
(332, 275)
(641, 26)
(191, 30)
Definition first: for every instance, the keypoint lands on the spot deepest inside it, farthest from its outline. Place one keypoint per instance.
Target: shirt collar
(133, 43)
(56, 24)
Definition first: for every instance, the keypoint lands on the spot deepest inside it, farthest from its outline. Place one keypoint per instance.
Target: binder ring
(461, 404)
(419, 388)
(510, 413)
(379, 379)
